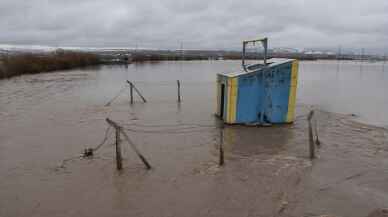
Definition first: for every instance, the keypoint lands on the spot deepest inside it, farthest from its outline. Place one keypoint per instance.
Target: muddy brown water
(47, 118)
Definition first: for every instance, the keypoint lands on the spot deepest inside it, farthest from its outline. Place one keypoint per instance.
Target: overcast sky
(210, 24)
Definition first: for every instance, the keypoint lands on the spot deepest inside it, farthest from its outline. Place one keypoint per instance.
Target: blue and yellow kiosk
(263, 93)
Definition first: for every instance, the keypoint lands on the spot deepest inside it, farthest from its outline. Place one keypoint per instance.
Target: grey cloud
(199, 24)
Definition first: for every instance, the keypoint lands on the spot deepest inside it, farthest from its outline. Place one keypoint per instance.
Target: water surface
(346, 87)
(341, 87)
(47, 118)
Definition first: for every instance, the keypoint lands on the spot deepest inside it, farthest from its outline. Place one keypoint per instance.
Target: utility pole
(339, 52)
(181, 50)
(361, 58)
(362, 54)
(338, 57)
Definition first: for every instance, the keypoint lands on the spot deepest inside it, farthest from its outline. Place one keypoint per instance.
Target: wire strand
(107, 134)
(184, 131)
(115, 97)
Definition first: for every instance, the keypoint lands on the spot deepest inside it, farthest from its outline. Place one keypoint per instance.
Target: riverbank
(21, 62)
(27, 63)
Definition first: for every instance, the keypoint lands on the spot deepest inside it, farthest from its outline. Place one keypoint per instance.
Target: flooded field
(47, 120)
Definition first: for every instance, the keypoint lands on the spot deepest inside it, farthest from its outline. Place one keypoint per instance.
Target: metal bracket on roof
(264, 42)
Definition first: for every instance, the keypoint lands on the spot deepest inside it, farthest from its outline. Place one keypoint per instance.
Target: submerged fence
(121, 129)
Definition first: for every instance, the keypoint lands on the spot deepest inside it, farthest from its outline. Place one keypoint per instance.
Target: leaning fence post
(221, 160)
(120, 130)
(179, 90)
(137, 91)
(119, 164)
(311, 139)
(142, 158)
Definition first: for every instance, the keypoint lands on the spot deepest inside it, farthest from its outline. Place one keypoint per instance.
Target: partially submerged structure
(262, 93)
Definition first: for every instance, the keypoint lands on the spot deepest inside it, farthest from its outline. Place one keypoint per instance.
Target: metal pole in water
(117, 128)
(119, 164)
(131, 91)
(265, 45)
(317, 141)
(179, 90)
(311, 138)
(221, 160)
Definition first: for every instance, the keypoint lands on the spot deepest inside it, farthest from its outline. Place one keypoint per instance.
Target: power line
(181, 48)
(339, 52)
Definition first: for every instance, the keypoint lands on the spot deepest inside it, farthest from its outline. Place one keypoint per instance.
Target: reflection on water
(244, 142)
(336, 86)
(346, 87)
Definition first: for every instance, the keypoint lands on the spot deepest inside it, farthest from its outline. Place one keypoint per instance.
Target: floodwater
(347, 87)
(47, 120)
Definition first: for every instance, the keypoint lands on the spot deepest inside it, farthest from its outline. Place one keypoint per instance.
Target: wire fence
(88, 152)
(181, 128)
